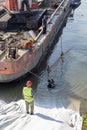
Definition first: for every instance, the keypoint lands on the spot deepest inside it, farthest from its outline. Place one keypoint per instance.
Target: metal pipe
(50, 19)
(55, 11)
(33, 74)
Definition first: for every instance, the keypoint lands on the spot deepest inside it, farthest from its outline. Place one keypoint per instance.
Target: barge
(23, 37)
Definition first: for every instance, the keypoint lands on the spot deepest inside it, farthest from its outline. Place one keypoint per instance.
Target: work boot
(31, 113)
(27, 112)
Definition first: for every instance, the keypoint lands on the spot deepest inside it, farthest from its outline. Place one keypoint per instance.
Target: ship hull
(29, 61)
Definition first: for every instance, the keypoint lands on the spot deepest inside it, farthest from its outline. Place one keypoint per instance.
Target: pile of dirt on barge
(25, 35)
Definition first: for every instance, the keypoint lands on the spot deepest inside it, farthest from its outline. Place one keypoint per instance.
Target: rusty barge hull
(14, 69)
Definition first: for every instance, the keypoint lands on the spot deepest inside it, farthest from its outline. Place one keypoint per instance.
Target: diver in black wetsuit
(51, 83)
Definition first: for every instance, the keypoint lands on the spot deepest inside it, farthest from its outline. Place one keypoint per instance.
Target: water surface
(69, 73)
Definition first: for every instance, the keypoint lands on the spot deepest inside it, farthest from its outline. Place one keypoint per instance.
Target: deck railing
(49, 20)
(55, 11)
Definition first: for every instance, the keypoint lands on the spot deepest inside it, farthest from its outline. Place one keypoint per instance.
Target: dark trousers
(44, 29)
(25, 2)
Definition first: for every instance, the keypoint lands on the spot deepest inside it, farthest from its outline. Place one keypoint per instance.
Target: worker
(26, 45)
(29, 44)
(12, 52)
(28, 97)
(25, 2)
(51, 83)
(44, 24)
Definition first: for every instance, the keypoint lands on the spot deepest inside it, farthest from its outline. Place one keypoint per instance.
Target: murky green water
(70, 74)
